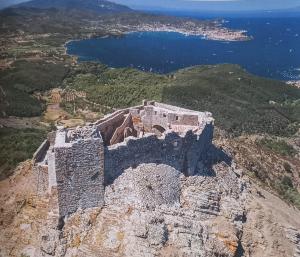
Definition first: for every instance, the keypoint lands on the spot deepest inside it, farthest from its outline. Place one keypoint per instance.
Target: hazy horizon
(198, 5)
(212, 5)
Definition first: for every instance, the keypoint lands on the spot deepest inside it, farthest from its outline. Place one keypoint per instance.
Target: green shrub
(287, 182)
(286, 189)
(22, 80)
(17, 145)
(287, 167)
(239, 101)
(279, 146)
(238, 106)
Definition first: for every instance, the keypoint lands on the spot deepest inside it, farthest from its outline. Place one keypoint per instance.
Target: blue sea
(274, 52)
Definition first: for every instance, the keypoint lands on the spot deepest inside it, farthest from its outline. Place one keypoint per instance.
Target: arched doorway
(158, 130)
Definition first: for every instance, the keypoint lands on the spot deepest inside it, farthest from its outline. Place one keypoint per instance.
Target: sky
(225, 5)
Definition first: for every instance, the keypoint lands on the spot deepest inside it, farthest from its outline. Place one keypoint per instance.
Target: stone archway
(158, 130)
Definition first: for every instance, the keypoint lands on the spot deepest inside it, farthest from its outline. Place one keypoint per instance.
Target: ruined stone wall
(118, 135)
(171, 107)
(44, 171)
(111, 122)
(80, 162)
(157, 116)
(199, 145)
(180, 152)
(185, 116)
(41, 174)
(41, 152)
(51, 137)
(108, 127)
(51, 169)
(136, 151)
(79, 174)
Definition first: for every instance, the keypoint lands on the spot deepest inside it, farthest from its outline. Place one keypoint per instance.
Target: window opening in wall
(165, 115)
(177, 118)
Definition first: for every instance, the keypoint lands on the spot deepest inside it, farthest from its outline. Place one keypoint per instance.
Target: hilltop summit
(98, 6)
(143, 181)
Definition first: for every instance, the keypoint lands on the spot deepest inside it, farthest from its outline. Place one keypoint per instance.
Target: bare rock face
(154, 210)
(294, 236)
(147, 186)
(272, 227)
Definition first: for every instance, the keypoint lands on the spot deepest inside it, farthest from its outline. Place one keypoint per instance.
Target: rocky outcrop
(153, 210)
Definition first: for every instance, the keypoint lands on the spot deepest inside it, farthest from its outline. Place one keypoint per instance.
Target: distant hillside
(288, 11)
(240, 102)
(296, 9)
(98, 6)
(7, 3)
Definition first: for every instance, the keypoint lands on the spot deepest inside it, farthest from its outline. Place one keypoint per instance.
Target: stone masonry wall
(199, 145)
(118, 136)
(81, 162)
(182, 153)
(41, 152)
(108, 127)
(111, 122)
(177, 115)
(79, 174)
(157, 116)
(51, 169)
(172, 108)
(41, 174)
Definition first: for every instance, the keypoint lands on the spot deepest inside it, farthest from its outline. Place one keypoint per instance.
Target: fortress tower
(80, 162)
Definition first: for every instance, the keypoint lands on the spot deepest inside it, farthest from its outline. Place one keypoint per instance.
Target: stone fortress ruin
(79, 163)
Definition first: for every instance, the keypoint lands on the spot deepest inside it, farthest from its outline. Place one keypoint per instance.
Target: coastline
(203, 36)
(225, 36)
(215, 30)
(216, 33)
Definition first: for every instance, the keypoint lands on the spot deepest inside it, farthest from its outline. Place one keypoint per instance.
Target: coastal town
(189, 147)
(211, 33)
(23, 41)
(210, 30)
(294, 83)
